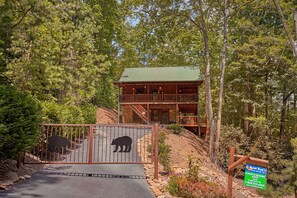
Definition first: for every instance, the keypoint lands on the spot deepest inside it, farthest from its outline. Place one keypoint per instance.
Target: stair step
(138, 109)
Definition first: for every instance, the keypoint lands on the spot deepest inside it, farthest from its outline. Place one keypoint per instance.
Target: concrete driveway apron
(75, 181)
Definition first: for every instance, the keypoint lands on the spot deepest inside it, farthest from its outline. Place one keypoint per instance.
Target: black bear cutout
(57, 143)
(121, 142)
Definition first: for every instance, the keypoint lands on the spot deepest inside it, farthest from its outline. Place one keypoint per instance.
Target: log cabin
(163, 95)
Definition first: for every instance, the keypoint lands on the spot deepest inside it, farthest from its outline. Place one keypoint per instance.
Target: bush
(89, 113)
(194, 167)
(163, 152)
(231, 136)
(183, 186)
(19, 122)
(175, 128)
(189, 185)
(70, 114)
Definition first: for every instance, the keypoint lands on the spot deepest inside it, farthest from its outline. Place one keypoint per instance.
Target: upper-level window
(139, 90)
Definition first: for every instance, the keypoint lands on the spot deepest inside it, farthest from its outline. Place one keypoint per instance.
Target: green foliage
(58, 113)
(89, 113)
(173, 187)
(54, 56)
(269, 149)
(290, 171)
(70, 59)
(269, 192)
(175, 128)
(194, 167)
(19, 122)
(163, 152)
(235, 137)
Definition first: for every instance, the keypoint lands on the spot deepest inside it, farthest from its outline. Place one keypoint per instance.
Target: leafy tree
(19, 122)
(55, 57)
(291, 169)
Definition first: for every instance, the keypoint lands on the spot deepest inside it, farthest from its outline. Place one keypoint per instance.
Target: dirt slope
(106, 116)
(189, 144)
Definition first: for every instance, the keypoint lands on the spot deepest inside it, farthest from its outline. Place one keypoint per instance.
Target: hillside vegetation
(64, 56)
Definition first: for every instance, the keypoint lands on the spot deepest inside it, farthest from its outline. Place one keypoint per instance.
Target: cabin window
(139, 90)
(155, 115)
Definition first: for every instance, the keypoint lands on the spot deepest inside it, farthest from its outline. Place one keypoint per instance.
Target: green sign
(255, 176)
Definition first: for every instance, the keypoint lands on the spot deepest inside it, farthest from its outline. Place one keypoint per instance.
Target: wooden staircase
(140, 111)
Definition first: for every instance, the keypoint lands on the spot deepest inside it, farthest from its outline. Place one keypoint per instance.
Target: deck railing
(158, 98)
(192, 120)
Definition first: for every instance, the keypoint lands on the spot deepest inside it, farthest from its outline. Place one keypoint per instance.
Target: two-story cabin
(161, 94)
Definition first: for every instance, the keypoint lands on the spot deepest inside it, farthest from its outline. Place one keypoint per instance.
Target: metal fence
(95, 144)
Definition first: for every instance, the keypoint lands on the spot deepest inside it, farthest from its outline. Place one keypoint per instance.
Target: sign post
(254, 176)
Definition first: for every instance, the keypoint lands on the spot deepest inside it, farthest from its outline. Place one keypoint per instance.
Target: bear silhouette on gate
(121, 142)
(58, 144)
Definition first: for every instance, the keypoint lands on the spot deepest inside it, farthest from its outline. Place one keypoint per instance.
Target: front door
(155, 117)
(160, 116)
(164, 117)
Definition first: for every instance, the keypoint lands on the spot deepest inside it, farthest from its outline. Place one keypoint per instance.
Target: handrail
(158, 97)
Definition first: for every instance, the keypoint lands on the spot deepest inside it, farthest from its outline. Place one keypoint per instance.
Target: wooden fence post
(90, 150)
(230, 172)
(156, 141)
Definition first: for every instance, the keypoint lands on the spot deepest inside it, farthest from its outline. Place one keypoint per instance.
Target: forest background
(59, 59)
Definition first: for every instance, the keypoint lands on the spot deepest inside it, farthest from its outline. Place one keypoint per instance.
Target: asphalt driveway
(75, 181)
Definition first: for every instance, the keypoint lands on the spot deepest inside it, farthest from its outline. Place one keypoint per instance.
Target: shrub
(70, 114)
(194, 168)
(231, 136)
(163, 152)
(19, 122)
(89, 113)
(175, 128)
(191, 186)
(183, 186)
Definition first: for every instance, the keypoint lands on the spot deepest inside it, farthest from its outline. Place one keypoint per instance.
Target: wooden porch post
(198, 113)
(177, 113)
(148, 93)
(148, 112)
(176, 106)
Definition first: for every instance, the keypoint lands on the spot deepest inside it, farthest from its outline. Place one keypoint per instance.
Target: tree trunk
(283, 113)
(266, 101)
(295, 101)
(266, 94)
(245, 115)
(208, 87)
(220, 102)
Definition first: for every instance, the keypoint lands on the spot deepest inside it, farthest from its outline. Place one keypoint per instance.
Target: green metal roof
(161, 74)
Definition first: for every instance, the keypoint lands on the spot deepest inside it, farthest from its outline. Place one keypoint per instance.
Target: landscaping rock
(27, 176)
(12, 176)
(22, 178)
(3, 187)
(157, 192)
(7, 183)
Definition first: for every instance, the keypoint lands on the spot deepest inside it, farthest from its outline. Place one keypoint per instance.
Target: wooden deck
(192, 121)
(158, 98)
